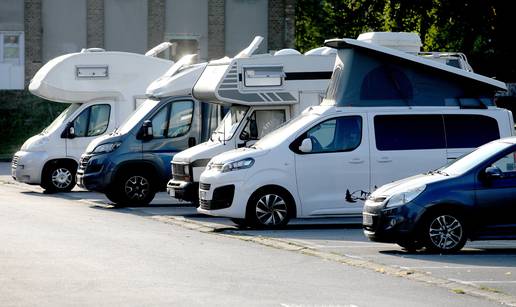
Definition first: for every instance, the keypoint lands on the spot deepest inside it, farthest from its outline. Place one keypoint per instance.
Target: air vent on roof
(287, 51)
(321, 51)
(93, 50)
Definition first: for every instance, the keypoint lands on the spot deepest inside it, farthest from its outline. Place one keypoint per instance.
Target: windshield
(287, 129)
(61, 118)
(229, 123)
(138, 115)
(471, 160)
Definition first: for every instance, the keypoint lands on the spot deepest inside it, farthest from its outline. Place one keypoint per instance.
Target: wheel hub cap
(136, 187)
(445, 232)
(61, 178)
(271, 209)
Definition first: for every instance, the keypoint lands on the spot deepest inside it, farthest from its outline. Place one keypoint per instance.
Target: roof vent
(403, 41)
(93, 50)
(321, 51)
(287, 51)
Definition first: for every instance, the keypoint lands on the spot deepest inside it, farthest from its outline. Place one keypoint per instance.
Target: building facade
(34, 31)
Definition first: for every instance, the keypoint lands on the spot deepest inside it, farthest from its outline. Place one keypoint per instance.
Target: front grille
(222, 198)
(180, 172)
(14, 163)
(204, 186)
(83, 162)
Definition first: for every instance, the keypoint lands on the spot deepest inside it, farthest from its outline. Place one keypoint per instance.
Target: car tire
(269, 208)
(59, 177)
(132, 188)
(444, 232)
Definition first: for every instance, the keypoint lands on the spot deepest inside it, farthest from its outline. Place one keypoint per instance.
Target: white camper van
(262, 92)
(387, 115)
(102, 90)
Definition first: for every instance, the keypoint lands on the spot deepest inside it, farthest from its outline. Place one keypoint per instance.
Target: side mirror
(191, 142)
(69, 131)
(493, 172)
(306, 146)
(147, 131)
(253, 128)
(244, 136)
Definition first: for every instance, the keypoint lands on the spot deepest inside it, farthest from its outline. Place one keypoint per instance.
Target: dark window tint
(386, 82)
(470, 131)
(409, 132)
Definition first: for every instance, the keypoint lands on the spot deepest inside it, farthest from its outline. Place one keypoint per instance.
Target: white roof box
(403, 41)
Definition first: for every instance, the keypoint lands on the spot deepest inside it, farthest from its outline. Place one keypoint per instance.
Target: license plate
(202, 195)
(172, 193)
(367, 219)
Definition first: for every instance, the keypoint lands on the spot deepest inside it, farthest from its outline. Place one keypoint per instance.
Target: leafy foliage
(482, 29)
(21, 116)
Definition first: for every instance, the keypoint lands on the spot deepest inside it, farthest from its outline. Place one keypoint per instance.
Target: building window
(11, 47)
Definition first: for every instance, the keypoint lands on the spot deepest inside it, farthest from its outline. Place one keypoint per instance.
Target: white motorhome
(262, 92)
(387, 115)
(102, 90)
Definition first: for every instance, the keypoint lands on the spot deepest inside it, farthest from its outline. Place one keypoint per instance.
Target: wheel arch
(445, 206)
(53, 162)
(134, 165)
(291, 199)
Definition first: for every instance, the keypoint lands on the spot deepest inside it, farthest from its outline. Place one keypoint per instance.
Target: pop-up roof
(367, 74)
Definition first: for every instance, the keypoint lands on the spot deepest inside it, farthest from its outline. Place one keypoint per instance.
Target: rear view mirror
(147, 132)
(493, 172)
(69, 131)
(306, 146)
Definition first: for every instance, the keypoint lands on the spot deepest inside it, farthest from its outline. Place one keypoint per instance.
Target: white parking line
(476, 282)
(452, 267)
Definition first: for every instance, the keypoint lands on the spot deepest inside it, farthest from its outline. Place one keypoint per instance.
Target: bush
(23, 115)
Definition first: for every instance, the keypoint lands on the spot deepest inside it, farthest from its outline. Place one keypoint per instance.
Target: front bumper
(94, 172)
(187, 191)
(27, 166)
(389, 225)
(223, 194)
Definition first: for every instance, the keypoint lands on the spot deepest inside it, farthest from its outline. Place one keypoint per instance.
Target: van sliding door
(405, 145)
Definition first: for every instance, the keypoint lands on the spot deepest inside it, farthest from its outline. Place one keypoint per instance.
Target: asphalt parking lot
(487, 265)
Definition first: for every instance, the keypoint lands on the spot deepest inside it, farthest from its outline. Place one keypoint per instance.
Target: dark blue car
(472, 198)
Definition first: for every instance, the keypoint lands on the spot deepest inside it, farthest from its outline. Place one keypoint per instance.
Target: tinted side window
(409, 132)
(180, 118)
(470, 131)
(336, 135)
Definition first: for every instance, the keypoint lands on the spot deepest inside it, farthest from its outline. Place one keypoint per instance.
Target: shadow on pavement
(469, 256)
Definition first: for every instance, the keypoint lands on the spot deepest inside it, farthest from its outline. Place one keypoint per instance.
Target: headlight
(232, 166)
(240, 164)
(105, 148)
(404, 197)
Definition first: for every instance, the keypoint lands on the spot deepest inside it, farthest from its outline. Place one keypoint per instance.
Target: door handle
(356, 161)
(384, 160)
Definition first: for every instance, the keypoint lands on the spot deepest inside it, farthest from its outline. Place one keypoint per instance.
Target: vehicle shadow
(477, 255)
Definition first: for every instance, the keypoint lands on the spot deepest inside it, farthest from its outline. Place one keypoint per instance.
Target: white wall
(244, 20)
(188, 19)
(125, 25)
(64, 27)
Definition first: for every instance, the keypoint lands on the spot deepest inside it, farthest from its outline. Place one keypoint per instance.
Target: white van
(412, 119)
(102, 90)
